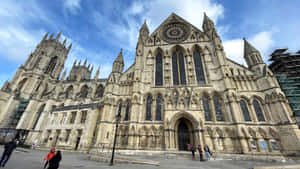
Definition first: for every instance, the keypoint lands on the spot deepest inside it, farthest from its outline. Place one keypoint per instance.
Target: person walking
(200, 152)
(49, 156)
(193, 149)
(54, 162)
(8, 149)
(207, 152)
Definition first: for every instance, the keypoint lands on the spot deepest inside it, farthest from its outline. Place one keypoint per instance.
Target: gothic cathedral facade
(181, 89)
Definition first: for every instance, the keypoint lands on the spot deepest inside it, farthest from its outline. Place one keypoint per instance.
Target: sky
(98, 29)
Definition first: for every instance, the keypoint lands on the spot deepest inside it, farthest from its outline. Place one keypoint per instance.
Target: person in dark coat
(54, 161)
(193, 149)
(8, 149)
(200, 152)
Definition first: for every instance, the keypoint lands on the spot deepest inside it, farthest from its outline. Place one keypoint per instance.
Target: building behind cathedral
(181, 89)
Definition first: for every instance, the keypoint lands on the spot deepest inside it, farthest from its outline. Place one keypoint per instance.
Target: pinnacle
(248, 48)
(120, 57)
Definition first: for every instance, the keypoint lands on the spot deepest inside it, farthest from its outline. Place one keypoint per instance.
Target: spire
(120, 57)
(79, 63)
(84, 64)
(248, 48)
(97, 73)
(58, 36)
(74, 64)
(64, 43)
(51, 36)
(89, 66)
(70, 46)
(144, 27)
(45, 36)
(92, 68)
(208, 24)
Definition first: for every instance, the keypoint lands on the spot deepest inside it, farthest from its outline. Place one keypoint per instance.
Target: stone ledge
(279, 167)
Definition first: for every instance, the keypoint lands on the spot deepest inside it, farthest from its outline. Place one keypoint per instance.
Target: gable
(175, 30)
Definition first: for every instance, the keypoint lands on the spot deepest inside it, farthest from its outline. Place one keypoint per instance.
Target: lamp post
(118, 117)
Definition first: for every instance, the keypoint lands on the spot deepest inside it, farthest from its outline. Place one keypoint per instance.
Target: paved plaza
(33, 159)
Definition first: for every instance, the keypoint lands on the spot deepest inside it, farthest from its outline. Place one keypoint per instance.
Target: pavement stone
(33, 159)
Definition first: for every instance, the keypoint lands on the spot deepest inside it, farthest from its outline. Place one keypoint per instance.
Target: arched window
(148, 108)
(159, 70)
(218, 108)
(258, 111)
(84, 92)
(199, 68)
(41, 109)
(245, 110)
(51, 65)
(69, 92)
(158, 108)
(127, 112)
(120, 109)
(21, 84)
(206, 108)
(99, 91)
(178, 68)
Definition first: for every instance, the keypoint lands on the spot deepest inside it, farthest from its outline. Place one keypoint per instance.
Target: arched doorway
(184, 134)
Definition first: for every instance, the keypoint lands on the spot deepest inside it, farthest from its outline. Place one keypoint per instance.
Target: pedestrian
(200, 152)
(34, 144)
(188, 146)
(207, 152)
(8, 149)
(49, 156)
(54, 162)
(193, 149)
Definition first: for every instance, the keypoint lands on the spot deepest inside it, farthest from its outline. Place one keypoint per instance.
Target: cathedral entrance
(184, 134)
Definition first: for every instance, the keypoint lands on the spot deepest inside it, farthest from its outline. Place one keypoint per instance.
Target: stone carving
(175, 32)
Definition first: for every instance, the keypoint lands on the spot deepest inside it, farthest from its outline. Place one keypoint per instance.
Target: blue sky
(98, 29)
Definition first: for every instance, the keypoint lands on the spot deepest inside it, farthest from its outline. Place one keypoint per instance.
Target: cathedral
(181, 89)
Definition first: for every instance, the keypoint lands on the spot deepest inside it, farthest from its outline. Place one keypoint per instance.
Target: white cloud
(262, 41)
(72, 6)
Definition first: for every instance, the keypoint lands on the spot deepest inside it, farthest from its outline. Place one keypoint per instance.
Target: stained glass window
(159, 70)
(199, 67)
(179, 77)
(218, 108)
(158, 108)
(148, 108)
(258, 111)
(51, 65)
(127, 111)
(245, 110)
(206, 108)
(175, 69)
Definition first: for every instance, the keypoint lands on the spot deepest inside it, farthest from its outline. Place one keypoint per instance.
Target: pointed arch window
(218, 108)
(207, 112)
(158, 108)
(159, 69)
(245, 110)
(120, 109)
(127, 112)
(179, 77)
(148, 108)
(258, 111)
(51, 65)
(199, 67)
(84, 92)
(99, 91)
(69, 92)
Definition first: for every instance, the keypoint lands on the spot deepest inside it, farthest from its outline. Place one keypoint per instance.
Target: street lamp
(118, 117)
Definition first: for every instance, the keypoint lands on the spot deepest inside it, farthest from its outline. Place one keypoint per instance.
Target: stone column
(92, 119)
(212, 110)
(78, 117)
(252, 112)
(244, 144)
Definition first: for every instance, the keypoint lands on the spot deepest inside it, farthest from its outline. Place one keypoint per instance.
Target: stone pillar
(63, 135)
(252, 112)
(92, 119)
(244, 144)
(78, 117)
(212, 110)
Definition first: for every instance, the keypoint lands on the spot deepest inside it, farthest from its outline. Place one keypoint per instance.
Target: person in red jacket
(200, 152)
(49, 156)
